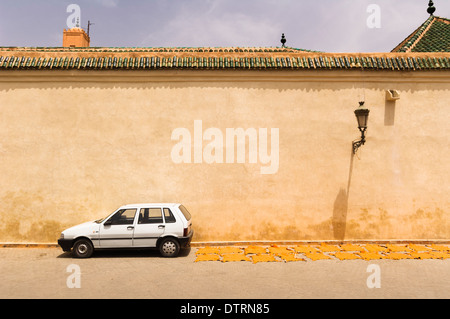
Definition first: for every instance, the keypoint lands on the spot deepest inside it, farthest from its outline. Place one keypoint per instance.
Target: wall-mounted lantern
(362, 115)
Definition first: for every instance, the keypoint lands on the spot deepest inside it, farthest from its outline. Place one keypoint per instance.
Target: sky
(319, 25)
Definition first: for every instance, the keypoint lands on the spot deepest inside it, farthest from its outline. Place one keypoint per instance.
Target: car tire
(169, 247)
(83, 248)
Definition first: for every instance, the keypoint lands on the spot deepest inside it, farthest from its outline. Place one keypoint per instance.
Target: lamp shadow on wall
(340, 208)
(389, 113)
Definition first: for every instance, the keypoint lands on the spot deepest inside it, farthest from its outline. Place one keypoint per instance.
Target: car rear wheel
(169, 247)
(83, 248)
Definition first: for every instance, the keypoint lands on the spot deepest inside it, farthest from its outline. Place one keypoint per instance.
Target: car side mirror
(108, 223)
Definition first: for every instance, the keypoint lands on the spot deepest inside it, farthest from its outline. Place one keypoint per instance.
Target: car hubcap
(82, 249)
(169, 247)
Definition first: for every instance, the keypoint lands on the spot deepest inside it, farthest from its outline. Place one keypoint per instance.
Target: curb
(27, 245)
(318, 242)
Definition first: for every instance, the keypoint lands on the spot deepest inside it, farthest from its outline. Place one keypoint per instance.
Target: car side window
(123, 217)
(150, 216)
(168, 216)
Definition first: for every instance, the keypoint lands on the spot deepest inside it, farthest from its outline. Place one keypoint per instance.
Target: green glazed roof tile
(432, 36)
(214, 58)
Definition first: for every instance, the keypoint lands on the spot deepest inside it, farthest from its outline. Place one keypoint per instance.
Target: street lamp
(362, 115)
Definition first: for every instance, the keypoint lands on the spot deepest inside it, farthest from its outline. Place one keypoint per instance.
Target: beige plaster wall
(74, 146)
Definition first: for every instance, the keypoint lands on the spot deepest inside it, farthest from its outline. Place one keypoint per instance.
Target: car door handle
(161, 226)
(130, 227)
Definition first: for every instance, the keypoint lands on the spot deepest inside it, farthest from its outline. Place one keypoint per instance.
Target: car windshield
(185, 212)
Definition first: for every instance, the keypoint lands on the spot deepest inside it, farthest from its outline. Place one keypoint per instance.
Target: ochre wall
(74, 146)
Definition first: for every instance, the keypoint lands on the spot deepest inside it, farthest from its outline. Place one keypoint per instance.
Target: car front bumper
(66, 244)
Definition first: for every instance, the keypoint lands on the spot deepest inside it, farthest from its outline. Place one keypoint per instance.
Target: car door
(149, 227)
(117, 231)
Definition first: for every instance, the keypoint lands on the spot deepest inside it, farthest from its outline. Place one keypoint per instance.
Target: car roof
(141, 205)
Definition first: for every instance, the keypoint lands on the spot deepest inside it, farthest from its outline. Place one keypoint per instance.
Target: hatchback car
(167, 227)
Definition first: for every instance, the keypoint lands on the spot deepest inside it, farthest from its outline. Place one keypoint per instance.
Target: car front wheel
(83, 248)
(169, 247)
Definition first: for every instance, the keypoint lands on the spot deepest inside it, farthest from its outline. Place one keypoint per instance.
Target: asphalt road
(50, 273)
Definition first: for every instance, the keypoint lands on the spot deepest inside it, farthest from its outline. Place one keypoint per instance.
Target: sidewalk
(50, 273)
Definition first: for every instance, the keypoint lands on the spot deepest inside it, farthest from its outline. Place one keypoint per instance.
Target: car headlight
(62, 236)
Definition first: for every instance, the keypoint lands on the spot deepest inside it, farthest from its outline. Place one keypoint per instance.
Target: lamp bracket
(362, 141)
(357, 144)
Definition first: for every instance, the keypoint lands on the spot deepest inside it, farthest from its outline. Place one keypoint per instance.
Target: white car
(167, 227)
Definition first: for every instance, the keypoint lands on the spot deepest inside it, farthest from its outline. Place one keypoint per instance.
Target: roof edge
(412, 39)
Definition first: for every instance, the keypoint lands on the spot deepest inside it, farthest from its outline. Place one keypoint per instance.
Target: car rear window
(185, 212)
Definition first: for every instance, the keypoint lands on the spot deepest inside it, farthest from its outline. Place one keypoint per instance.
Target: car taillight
(186, 231)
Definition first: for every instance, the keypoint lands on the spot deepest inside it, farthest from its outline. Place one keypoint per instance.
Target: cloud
(108, 3)
(326, 25)
(214, 26)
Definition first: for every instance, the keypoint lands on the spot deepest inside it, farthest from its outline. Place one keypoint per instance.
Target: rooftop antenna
(89, 26)
(283, 41)
(431, 8)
